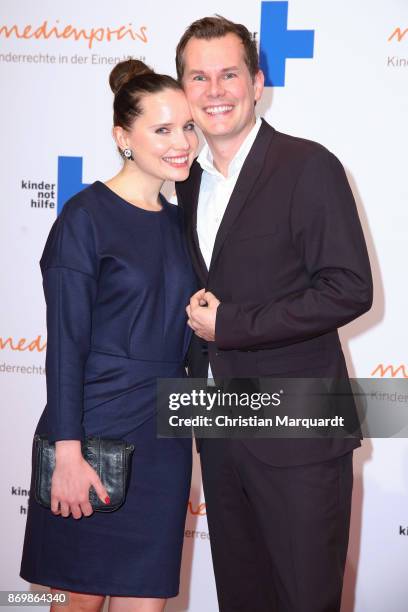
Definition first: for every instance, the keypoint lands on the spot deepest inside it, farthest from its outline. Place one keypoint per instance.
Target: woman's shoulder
(72, 240)
(82, 203)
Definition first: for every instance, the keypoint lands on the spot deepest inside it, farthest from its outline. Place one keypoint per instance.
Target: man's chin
(212, 129)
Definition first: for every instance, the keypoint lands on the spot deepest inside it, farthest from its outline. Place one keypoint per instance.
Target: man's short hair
(208, 28)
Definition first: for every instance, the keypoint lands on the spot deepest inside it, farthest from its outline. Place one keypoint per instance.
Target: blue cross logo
(69, 179)
(277, 43)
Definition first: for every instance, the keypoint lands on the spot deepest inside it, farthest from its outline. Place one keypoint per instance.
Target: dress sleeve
(69, 266)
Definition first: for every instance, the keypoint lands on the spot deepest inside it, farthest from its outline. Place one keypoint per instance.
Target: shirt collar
(206, 161)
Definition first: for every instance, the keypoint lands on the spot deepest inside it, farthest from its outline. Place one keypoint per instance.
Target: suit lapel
(247, 178)
(190, 191)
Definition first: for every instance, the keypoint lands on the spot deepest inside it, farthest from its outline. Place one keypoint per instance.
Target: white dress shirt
(215, 192)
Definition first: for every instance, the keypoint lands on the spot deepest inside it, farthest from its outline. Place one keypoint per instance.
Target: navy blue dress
(116, 280)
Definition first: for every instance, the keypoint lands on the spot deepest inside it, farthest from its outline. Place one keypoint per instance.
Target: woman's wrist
(67, 449)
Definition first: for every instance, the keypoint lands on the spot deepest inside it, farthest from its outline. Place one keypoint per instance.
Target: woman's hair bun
(125, 71)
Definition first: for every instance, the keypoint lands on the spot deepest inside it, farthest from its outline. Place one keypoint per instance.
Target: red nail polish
(107, 499)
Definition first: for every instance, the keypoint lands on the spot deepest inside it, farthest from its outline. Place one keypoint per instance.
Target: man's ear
(259, 81)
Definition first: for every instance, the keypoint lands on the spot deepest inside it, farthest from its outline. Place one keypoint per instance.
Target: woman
(117, 278)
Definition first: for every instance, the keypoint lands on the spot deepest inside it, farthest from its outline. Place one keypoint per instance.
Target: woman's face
(162, 139)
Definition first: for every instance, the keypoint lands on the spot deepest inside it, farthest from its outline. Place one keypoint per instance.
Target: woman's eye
(190, 127)
(162, 130)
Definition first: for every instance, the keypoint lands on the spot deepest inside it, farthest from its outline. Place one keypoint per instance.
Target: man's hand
(202, 312)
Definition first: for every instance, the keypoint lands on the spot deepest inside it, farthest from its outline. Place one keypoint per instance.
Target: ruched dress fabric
(116, 279)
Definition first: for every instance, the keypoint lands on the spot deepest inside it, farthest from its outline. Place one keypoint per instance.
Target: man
(277, 245)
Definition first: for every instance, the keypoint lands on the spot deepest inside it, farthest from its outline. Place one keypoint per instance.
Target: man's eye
(162, 130)
(199, 77)
(230, 75)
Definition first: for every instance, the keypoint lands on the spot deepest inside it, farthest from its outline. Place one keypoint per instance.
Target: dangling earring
(127, 153)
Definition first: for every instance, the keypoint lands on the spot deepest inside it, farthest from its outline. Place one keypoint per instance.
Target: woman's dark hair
(130, 80)
(209, 28)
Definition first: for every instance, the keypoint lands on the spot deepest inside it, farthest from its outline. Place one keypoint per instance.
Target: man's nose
(216, 88)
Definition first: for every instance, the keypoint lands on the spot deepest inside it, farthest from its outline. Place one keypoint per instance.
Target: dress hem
(115, 592)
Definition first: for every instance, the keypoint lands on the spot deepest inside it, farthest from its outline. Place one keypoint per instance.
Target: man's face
(218, 86)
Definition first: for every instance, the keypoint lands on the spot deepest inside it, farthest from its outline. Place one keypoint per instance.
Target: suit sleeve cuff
(226, 326)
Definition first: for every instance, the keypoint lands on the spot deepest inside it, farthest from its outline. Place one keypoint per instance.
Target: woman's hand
(71, 481)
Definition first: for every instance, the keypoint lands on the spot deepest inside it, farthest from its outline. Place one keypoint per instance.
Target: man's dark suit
(289, 266)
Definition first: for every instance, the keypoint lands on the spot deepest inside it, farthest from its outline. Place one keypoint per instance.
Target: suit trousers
(279, 535)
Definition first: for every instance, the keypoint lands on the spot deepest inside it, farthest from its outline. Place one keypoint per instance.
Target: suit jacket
(289, 266)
